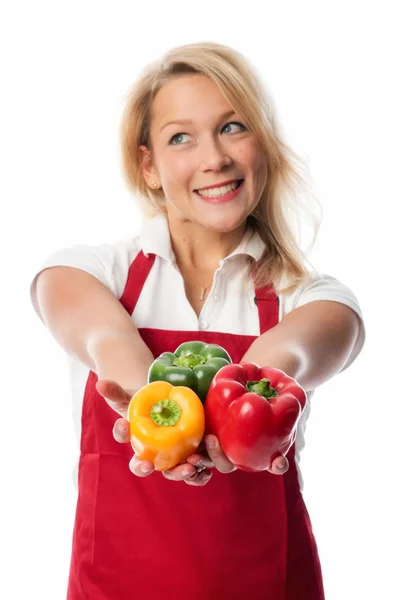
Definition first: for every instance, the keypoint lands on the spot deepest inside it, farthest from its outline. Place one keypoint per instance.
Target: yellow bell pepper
(166, 424)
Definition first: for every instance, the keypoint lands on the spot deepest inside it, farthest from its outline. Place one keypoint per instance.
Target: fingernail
(282, 465)
(211, 442)
(145, 468)
(187, 472)
(205, 476)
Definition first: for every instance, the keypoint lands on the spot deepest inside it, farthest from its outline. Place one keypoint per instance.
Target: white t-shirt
(229, 307)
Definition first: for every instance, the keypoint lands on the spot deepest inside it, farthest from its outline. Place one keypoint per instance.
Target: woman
(218, 261)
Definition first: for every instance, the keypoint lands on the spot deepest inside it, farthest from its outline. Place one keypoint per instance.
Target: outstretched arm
(312, 343)
(91, 325)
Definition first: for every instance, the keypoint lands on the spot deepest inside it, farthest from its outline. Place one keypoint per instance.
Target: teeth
(219, 191)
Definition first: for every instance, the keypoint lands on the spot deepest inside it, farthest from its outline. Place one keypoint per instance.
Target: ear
(148, 169)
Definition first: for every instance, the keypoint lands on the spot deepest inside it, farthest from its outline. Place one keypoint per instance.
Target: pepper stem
(189, 360)
(262, 387)
(165, 413)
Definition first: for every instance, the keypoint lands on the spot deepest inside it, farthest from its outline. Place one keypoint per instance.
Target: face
(209, 165)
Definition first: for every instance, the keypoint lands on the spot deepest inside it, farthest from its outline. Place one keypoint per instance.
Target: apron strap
(138, 272)
(268, 307)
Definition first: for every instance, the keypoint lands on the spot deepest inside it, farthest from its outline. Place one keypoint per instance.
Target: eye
(176, 139)
(234, 124)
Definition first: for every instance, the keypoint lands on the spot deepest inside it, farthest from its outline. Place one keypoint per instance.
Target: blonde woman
(218, 260)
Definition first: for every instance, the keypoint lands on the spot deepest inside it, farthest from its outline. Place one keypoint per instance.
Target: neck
(199, 248)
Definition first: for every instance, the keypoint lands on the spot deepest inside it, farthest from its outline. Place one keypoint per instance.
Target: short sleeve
(326, 287)
(109, 263)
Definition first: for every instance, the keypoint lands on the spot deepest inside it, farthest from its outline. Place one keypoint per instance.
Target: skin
(197, 470)
(213, 147)
(184, 157)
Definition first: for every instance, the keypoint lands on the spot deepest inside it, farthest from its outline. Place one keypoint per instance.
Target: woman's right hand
(115, 395)
(141, 468)
(197, 475)
(119, 398)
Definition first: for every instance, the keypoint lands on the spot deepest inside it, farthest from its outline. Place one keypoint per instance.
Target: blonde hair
(277, 217)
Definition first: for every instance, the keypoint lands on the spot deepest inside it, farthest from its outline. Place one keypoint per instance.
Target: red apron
(241, 536)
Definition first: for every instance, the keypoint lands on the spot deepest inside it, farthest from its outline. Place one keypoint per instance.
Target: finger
(180, 472)
(279, 465)
(115, 395)
(141, 468)
(112, 389)
(200, 458)
(200, 461)
(200, 478)
(121, 431)
(217, 455)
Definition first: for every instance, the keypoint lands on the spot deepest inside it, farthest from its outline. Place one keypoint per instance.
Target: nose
(214, 156)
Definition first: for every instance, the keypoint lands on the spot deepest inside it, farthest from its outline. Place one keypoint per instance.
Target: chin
(225, 218)
(225, 225)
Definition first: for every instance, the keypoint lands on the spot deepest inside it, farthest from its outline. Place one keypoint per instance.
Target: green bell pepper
(193, 365)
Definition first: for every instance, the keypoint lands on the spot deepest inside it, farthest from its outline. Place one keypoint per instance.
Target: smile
(221, 194)
(220, 191)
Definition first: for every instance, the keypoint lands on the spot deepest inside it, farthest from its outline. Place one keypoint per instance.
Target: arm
(312, 343)
(91, 325)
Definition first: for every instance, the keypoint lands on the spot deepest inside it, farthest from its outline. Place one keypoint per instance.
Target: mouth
(221, 190)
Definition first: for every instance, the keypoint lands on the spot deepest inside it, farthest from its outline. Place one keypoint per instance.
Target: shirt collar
(155, 239)
(251, 245)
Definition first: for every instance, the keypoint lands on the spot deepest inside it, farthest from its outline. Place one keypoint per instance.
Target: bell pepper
(193, 365)
(254, 412)
(166, 424)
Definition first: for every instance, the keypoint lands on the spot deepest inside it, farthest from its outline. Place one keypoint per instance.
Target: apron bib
(241, 536)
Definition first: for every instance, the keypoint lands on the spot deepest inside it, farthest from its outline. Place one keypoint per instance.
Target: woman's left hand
(221, 462)
(210, 454)
(196, 471)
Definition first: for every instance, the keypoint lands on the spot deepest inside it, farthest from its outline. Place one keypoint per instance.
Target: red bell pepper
(254, 412)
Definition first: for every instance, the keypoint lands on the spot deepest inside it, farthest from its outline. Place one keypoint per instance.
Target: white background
(333, 73)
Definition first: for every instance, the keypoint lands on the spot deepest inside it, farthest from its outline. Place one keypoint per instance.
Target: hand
(221, 462)
(116, 396)
(187, 472)
(210, 454)
(196, 471)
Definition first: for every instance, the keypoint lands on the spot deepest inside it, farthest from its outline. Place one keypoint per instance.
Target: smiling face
(199, 142)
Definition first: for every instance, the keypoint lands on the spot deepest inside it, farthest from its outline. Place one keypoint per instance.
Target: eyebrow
(188, 121)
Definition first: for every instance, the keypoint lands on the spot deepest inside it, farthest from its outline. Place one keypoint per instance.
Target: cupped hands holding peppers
(250, 417)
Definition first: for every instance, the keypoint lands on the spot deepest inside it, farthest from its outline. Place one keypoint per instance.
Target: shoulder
(320, 286)
(108, 262)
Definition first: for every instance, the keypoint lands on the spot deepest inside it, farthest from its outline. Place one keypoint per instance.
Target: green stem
(262, 387)
(189, 360)
(165, 413)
